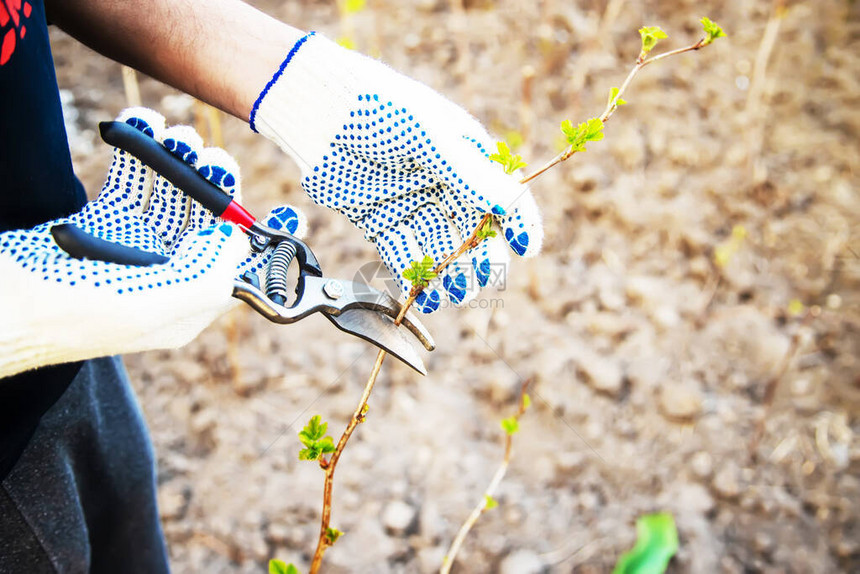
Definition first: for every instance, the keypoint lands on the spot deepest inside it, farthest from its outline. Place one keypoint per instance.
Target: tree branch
(613, 104)
(479, 509)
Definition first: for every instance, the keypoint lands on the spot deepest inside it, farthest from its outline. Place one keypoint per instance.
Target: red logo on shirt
(12, 11)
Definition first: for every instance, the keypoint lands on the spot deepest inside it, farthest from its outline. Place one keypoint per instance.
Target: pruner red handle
(235, 213)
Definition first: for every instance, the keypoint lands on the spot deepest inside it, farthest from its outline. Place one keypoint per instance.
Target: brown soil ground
(650, 364)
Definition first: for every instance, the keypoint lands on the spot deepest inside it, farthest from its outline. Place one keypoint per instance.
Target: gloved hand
(404, 164)
(56, 308)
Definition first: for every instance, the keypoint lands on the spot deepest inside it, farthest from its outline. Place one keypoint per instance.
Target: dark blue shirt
(37, 184)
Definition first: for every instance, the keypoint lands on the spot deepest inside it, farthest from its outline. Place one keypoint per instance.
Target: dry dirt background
(650, 364)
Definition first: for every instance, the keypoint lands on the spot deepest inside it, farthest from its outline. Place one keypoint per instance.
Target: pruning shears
(352, 306)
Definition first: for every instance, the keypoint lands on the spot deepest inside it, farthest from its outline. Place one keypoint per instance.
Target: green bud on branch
(419, 273)
(281, 567)
(314, 439)
(650, 36)
(577, 137)
(511, 425)
(511, 161)
(486, 230)
(614, 100)
(332, 534)
(712, 30)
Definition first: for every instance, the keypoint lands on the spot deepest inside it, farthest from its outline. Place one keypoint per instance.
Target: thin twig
(479, 509)
(613, 103)
(330, 464)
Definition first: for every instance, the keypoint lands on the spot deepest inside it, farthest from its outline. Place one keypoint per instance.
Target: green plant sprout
(656, 544)
(281, 567)
(420, 274)
(511, 161)
(510, 425)
(614, 100)
(712, 30)
(314, 439)
(589, 131)
(650, 36)
(331, 535)
(486, 230)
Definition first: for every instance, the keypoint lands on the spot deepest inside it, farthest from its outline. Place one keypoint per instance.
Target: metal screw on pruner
(333, 289)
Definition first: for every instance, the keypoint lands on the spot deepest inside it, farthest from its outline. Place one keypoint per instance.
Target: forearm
(220, 51)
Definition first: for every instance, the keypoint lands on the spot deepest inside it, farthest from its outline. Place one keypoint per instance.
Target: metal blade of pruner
(351, 306)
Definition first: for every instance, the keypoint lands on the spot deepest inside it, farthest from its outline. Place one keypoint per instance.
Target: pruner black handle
(81, 245)
(172, 168)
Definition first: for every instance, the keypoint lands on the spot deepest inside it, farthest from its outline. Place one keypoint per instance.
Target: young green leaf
(510, 425)
(650, 36)
(309, 453)
(489, 502)
(313, 431)
(281, 567)
(326, 445)
(511, 161)
(577, 137)
(656, 543)
(712, 30)
(419, 273)
(527, 401)
(314, 439)
(614, 99)
(332, 534)
(486, 230)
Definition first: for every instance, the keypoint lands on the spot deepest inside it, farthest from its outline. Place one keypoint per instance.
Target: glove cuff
(309, 97)
(252, 120)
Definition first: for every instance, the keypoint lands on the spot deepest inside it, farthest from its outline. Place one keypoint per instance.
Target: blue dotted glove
(57, 308)
(404, 164)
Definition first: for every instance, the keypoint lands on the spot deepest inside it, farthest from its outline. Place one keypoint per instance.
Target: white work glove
(405, 165)
(56, 308)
